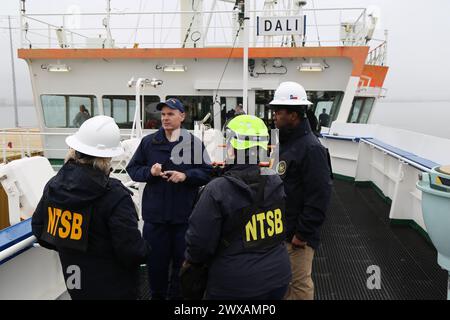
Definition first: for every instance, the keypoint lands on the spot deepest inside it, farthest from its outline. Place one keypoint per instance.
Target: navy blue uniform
(303, 166)
(166, 206)
(91, 220)
(254, 264)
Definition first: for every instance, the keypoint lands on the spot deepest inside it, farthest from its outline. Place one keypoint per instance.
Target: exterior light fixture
(57, 68)
(311, 67)
(277, 63)
(174, 68)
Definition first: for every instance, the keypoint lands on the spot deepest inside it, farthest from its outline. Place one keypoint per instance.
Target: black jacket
(163, 201)
(303, 166)
(235, 270)
(107, 225)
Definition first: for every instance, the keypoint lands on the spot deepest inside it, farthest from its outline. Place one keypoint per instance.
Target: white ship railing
(378, 55)
(28, 143)
(324, 27)
(28, 147)
(17, 248)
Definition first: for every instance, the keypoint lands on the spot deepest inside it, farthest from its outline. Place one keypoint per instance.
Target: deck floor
(358, 234)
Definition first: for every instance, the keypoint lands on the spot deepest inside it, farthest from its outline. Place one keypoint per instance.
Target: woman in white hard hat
(90, 218)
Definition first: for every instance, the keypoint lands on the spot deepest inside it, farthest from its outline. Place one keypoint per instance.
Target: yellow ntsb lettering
(278, 222)
(76, 226)
(271, 229)
(64, 224)
(264, 224)
(65, 221)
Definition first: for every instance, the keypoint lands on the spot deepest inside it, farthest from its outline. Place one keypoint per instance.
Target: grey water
(27, 117)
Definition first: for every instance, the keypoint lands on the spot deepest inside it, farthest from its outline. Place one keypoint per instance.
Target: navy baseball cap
(172, 103)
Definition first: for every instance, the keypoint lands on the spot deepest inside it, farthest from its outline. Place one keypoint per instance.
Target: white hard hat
(290, 94)
(98, 137)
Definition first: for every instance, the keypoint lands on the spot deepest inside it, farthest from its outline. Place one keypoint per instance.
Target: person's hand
(174, 176)
(156, 170)
(297, 243)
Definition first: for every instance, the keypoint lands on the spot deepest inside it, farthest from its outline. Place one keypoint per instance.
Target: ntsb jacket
(163, 201)
(243, 245)
(91, 220)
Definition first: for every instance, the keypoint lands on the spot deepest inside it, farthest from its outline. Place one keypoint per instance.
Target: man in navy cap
(165, 160)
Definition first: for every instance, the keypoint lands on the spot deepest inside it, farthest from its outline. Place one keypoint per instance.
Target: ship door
(229, 101)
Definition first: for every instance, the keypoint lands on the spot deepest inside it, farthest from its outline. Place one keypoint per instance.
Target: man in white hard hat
(304, 168)
(90, 218)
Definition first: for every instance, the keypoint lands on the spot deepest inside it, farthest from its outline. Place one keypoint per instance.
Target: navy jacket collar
(160, 136)
(301, 130)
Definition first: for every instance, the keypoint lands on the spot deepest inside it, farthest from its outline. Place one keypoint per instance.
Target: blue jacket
(114, 248)
(303, 166)
(167, 202)
(235, 270)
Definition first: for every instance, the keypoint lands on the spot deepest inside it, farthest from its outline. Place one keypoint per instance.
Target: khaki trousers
(301, 286)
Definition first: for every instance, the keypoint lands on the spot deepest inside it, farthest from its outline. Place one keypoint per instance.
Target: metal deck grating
(357, 234)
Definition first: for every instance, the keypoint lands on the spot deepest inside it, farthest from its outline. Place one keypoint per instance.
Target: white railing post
(22, 151)
(49, 32)
(386, 33)
(27, 137)
(4, 145)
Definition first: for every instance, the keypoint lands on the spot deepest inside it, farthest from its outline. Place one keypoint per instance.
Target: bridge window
(361, 110)
(68, 111)
(122, 109)
(228, 106)
(197, 107)
(262, 99)
(328, 100)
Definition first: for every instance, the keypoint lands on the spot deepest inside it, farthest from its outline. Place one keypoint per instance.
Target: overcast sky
(418, 55)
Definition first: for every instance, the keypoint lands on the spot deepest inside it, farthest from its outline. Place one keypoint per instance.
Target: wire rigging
(225, 68)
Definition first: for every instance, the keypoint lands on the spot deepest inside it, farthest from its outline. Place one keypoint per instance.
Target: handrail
(54, 26)
(17, 133)
(24, 147)
(185, 12)
(379, 46)
(367, 141)
(395, 155)
(353, 14)
(14, 249)
(377, 56)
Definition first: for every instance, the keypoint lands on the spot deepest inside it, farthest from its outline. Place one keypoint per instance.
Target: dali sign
(278, 26)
